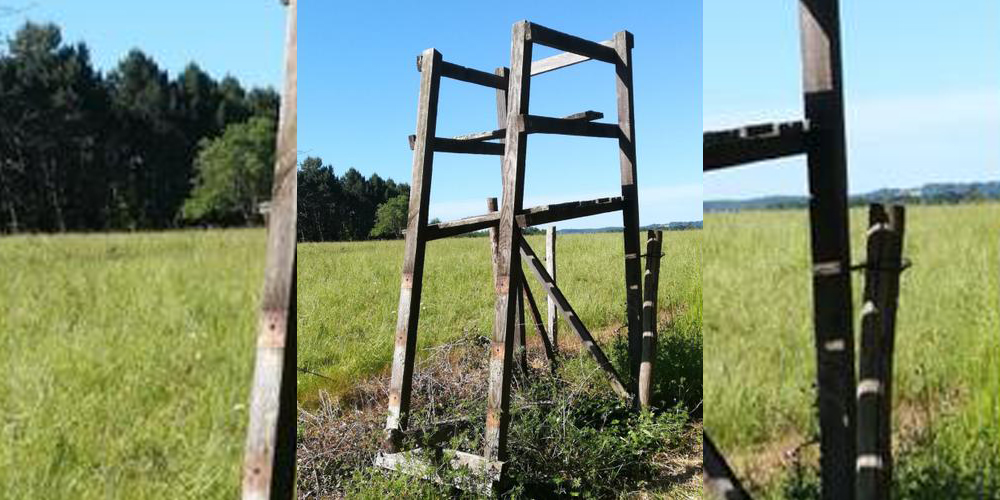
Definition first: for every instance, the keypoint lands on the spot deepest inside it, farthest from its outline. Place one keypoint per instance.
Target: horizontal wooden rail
(538, 269)
(755, 143)
(443, 145)
(534, 124)
(483, 478)
(539, 34)
(562, 60)
(461, 73)
(583, 116)
(533, 216)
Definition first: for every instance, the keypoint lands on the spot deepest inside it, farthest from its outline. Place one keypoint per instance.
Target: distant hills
(672, 226)
(930, 194)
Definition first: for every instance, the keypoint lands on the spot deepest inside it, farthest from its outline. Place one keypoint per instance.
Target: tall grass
(760, 361)
(348, 293)
(126, 362)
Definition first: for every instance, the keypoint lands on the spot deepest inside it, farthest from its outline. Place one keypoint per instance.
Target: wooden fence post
(651, 283)
(269, 457)
(878, 323)
(550, 266)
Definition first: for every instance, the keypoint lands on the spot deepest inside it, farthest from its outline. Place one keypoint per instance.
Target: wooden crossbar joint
(534, 124)
(754, 143)
(533, 216)
(536, 33)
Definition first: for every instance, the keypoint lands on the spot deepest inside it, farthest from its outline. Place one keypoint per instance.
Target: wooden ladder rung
(533, 216)
(768, 141)
(534, 124)
(500, 133)
(469, 75)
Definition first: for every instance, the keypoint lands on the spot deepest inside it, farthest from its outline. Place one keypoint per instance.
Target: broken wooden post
(269, 457)
(878, 322)
(719, 479)
(651, 283)
(550, 266)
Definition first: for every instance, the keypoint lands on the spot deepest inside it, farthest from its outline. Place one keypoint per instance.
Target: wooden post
(827, 160)
(550, 266)
(878, 318)
(413, 252)
(520, 344)
(651, 282)
(509, 260)
(268, 463)
(720, 481)
(623, 43)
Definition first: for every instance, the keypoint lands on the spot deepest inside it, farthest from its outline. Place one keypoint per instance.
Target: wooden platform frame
(821, 138)
(514, 125)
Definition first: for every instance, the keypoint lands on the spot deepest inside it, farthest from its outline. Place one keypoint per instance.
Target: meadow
(570, 436)
(348, 293)
(760, 363)
(126, 360)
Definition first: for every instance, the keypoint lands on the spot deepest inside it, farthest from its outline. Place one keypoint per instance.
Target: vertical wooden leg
(508, 259)
(831, 259)
(630, 212)
(268, 461)
(413, 254)
(550, 266)
(651, 282)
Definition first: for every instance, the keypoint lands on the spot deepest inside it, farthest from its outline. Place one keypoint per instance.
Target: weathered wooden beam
(268, 461)
(574, 321)
(501, 132)
(831, 250)
(878, 325)
(443, 145)
(562, 60)
(533, 216)
(719, 480)
(567, 126)
(568, 43)
(651, 283)
(508, 260)
(408, 311)
(550, 266)
(729, 148)
(456, 72)
(630, 204)
(520, 345)
(483, 476)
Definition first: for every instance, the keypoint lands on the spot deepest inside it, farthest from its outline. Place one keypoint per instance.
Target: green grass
(126, 362)
(760, 361)
(348, 293)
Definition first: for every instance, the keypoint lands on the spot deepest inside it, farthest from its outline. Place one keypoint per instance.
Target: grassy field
(348, 293)
(760, 367)
(126, 362)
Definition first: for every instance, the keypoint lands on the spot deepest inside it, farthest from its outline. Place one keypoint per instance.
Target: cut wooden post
(508, 260)
(520, 345)
(574, 321)
(630, 201)
(413, 252)
(268, 462)
(550, 266)
(651, 283)
(831, 259)
(720, 481)
(878, 318)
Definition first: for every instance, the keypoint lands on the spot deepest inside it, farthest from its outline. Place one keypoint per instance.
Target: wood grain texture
(878, 323)
(508, 261)
(830, 242)
(548, 37)
(413, 253)
(630, 203)
(266, 473)
(469, 75)
(550, 266)
(651, 283)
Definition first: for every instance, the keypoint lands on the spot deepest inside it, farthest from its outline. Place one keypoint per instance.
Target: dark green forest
(349, 207)
(131, 149)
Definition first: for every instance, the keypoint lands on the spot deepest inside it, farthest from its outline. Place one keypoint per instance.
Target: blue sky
(922, 89)
(358, 90)
(248, 43)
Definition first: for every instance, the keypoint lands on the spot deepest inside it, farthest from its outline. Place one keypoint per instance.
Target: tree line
(349, 207)
(132, 149)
